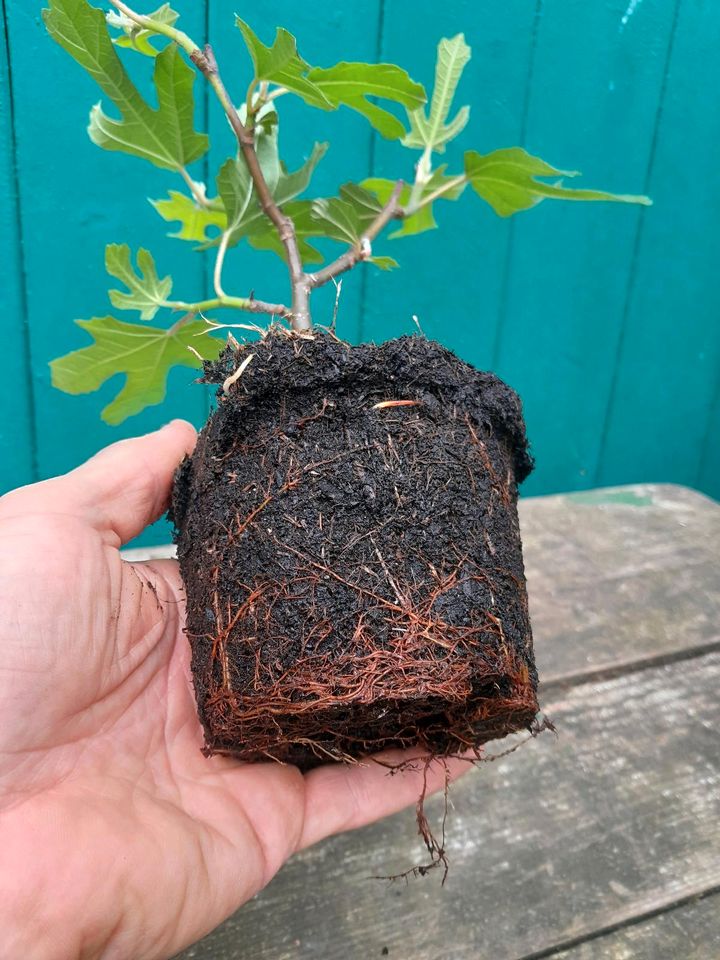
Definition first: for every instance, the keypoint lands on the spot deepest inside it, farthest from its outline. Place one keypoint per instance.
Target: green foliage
(144, 354)
(424, 218)
(235, 189)
(282, 64)
(432, 131)
(345, 218)
(146, 291)
(344, 84)
(135, 37)
(507, 180)
(194, 220)
(253, 223)
(349, 85)
(165, 136)
(510, 180)
(265, 237)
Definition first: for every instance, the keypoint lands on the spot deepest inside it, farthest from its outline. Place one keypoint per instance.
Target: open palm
(118, 838)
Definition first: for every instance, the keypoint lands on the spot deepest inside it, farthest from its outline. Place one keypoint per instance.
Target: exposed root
(403, 656)
(355, 580)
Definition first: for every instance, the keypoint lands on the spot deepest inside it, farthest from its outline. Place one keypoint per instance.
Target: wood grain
(617, 817)
(620, 575)
(597, 116)
(690, 932)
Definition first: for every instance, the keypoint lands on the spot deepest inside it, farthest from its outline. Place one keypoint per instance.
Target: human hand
(118, 838)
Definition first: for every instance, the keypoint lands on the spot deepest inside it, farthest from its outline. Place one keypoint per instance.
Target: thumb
(121, 490)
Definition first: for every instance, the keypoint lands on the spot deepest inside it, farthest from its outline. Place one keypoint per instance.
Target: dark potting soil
(348, 537)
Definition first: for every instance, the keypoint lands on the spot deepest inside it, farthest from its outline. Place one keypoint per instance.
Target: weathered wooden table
(602, 842)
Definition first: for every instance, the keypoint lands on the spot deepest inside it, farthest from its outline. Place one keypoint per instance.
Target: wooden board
(620, 576)
(615, 819)
(16, 427)
(609, 110)
(651, 402)
(74, 199)
(607, 329)
(453, 279)
(688, 932)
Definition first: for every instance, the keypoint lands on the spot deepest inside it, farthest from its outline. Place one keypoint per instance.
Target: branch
(180, 38)
(219, 260)
(362, 250)
(205, 61)
(248, 304)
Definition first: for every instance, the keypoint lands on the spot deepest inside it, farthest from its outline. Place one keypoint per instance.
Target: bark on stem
(248, 304)
(362, 250)
(206, 63)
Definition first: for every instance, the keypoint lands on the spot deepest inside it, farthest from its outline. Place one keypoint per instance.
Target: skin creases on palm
(117, 836)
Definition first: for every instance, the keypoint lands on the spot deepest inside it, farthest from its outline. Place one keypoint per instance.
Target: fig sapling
(347, 526)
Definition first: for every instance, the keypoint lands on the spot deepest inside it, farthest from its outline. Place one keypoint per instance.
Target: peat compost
(348, 537)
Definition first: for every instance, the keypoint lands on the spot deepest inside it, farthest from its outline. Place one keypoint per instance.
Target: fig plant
(347, 526)
(256, 200)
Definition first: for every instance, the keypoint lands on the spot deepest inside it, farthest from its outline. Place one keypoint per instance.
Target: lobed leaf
(264, 236)
(506, 179)
(432, 131)
(146, 291)
(335, 218)
(235, 189)
(144, 354)
(350, 84)
(344, 84)
(135, 37)
(282, 64)
(165, 136)
(384, 263)
(289, 186)
(194, 220)
(347, 217)
(266, 145)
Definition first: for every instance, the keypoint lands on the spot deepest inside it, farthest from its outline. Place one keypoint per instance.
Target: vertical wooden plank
(326, 32)
(595, 95)
(709, 473)
(668, 365)
(16, 430)
(74, 199)
(452, 279)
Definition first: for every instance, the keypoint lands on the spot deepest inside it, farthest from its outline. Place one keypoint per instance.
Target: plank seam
(693, 896)
(704, 450)
(510, 242)
(637, 243)
(562, 682)
(19, 239)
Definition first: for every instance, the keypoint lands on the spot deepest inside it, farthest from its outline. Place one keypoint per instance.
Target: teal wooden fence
(605, 318)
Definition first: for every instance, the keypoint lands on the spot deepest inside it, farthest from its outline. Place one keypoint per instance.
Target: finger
(344, 796)
(121, 490)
